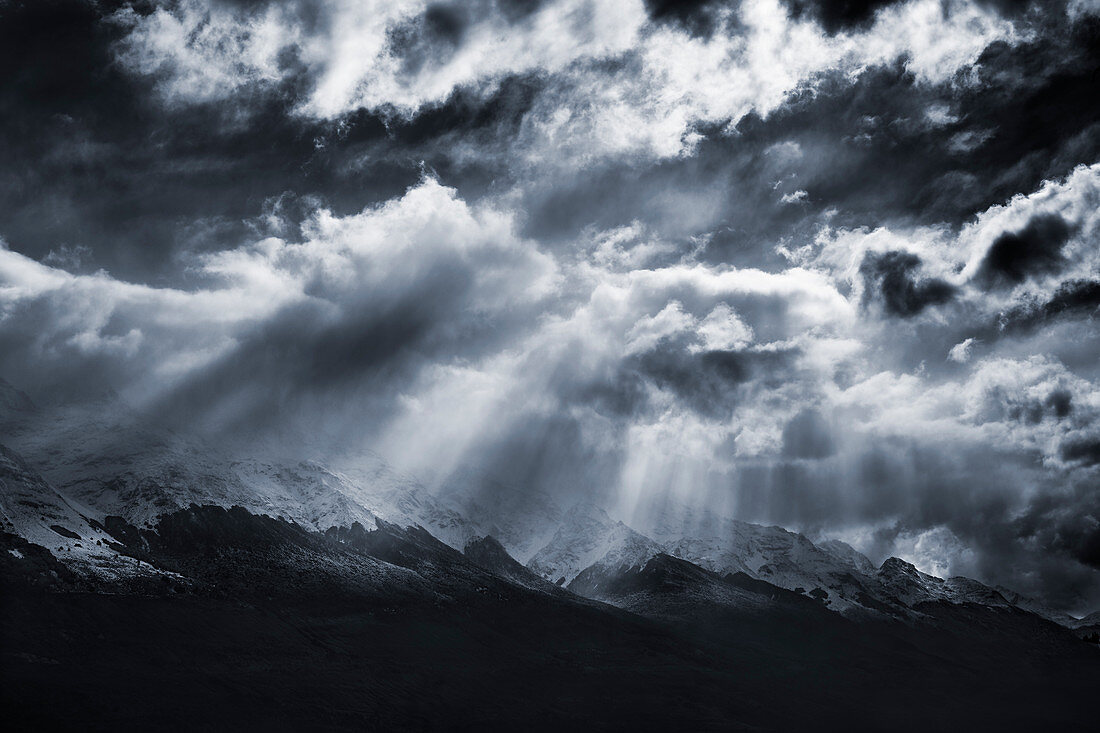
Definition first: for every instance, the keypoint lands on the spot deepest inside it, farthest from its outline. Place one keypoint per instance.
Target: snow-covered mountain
(115, 463)
(67, 469)
(403, 500)
(1039, 608)
(668, 587)
(832, 573)
(32, 509)
(848, 555)
(902, 581)
(588, 539)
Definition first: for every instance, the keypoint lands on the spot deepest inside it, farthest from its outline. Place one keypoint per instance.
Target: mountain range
(98, 503)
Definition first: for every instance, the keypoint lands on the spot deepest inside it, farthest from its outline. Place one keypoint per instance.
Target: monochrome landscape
(527, 365)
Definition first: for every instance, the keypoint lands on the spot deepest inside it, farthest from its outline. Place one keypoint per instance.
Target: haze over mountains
(92, 464)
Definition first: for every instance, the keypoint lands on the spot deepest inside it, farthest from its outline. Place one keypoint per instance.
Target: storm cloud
(1015, 256)
(833, 265)
(889, 276)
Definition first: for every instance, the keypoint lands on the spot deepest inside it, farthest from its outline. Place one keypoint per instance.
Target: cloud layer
(829, 265)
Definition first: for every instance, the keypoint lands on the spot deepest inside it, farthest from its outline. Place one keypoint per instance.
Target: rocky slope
(489, 554)
(35, 512)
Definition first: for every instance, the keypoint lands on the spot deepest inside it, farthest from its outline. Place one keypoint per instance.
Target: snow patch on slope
(35, 511)
(588, 537)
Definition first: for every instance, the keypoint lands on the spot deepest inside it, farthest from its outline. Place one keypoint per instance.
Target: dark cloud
(93, 159)
(711, 383)
(1066, 523)
(517, 10)
(59, 372)
(343, 358)
(871, 154)
(1036, 98)
(723, 195)
(431, 38)
(298, 364)
(838, 15)
(708, 382)
(1073, 297)
(891, 277)
(550, 453)
(808, 435)
(467, 114)
(1034, 250)
(1060, 319)
(1012, 8)
(1085, 450)
(620, 395)
(1061, 402)
(696, 16)
(1084, 543)
(1057, 405)
(446, 22)
(154, 172)
(917, 486)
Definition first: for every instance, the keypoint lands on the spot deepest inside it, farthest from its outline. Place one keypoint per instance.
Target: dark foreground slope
(282, 629)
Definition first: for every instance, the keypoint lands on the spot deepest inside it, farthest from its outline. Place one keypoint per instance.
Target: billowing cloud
(424, 271)
(827, 264)
(616, 84)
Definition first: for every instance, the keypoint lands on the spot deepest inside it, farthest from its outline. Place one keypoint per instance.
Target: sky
(828, 264)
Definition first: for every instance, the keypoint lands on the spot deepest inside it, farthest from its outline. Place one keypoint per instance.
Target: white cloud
(344, 266)
(574, 320)
(648, 331)
(722, 330)
(937, 551)
(940, 115)
(663, 80)
(627, 248)
(204, 51)
(1075, 198)
(960, 352)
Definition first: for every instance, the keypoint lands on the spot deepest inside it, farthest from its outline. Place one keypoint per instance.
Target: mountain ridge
(107, 462)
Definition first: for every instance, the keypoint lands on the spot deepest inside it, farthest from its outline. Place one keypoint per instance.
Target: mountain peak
(588, 536)
(895, 565)
(488, 554)
(846, 553)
